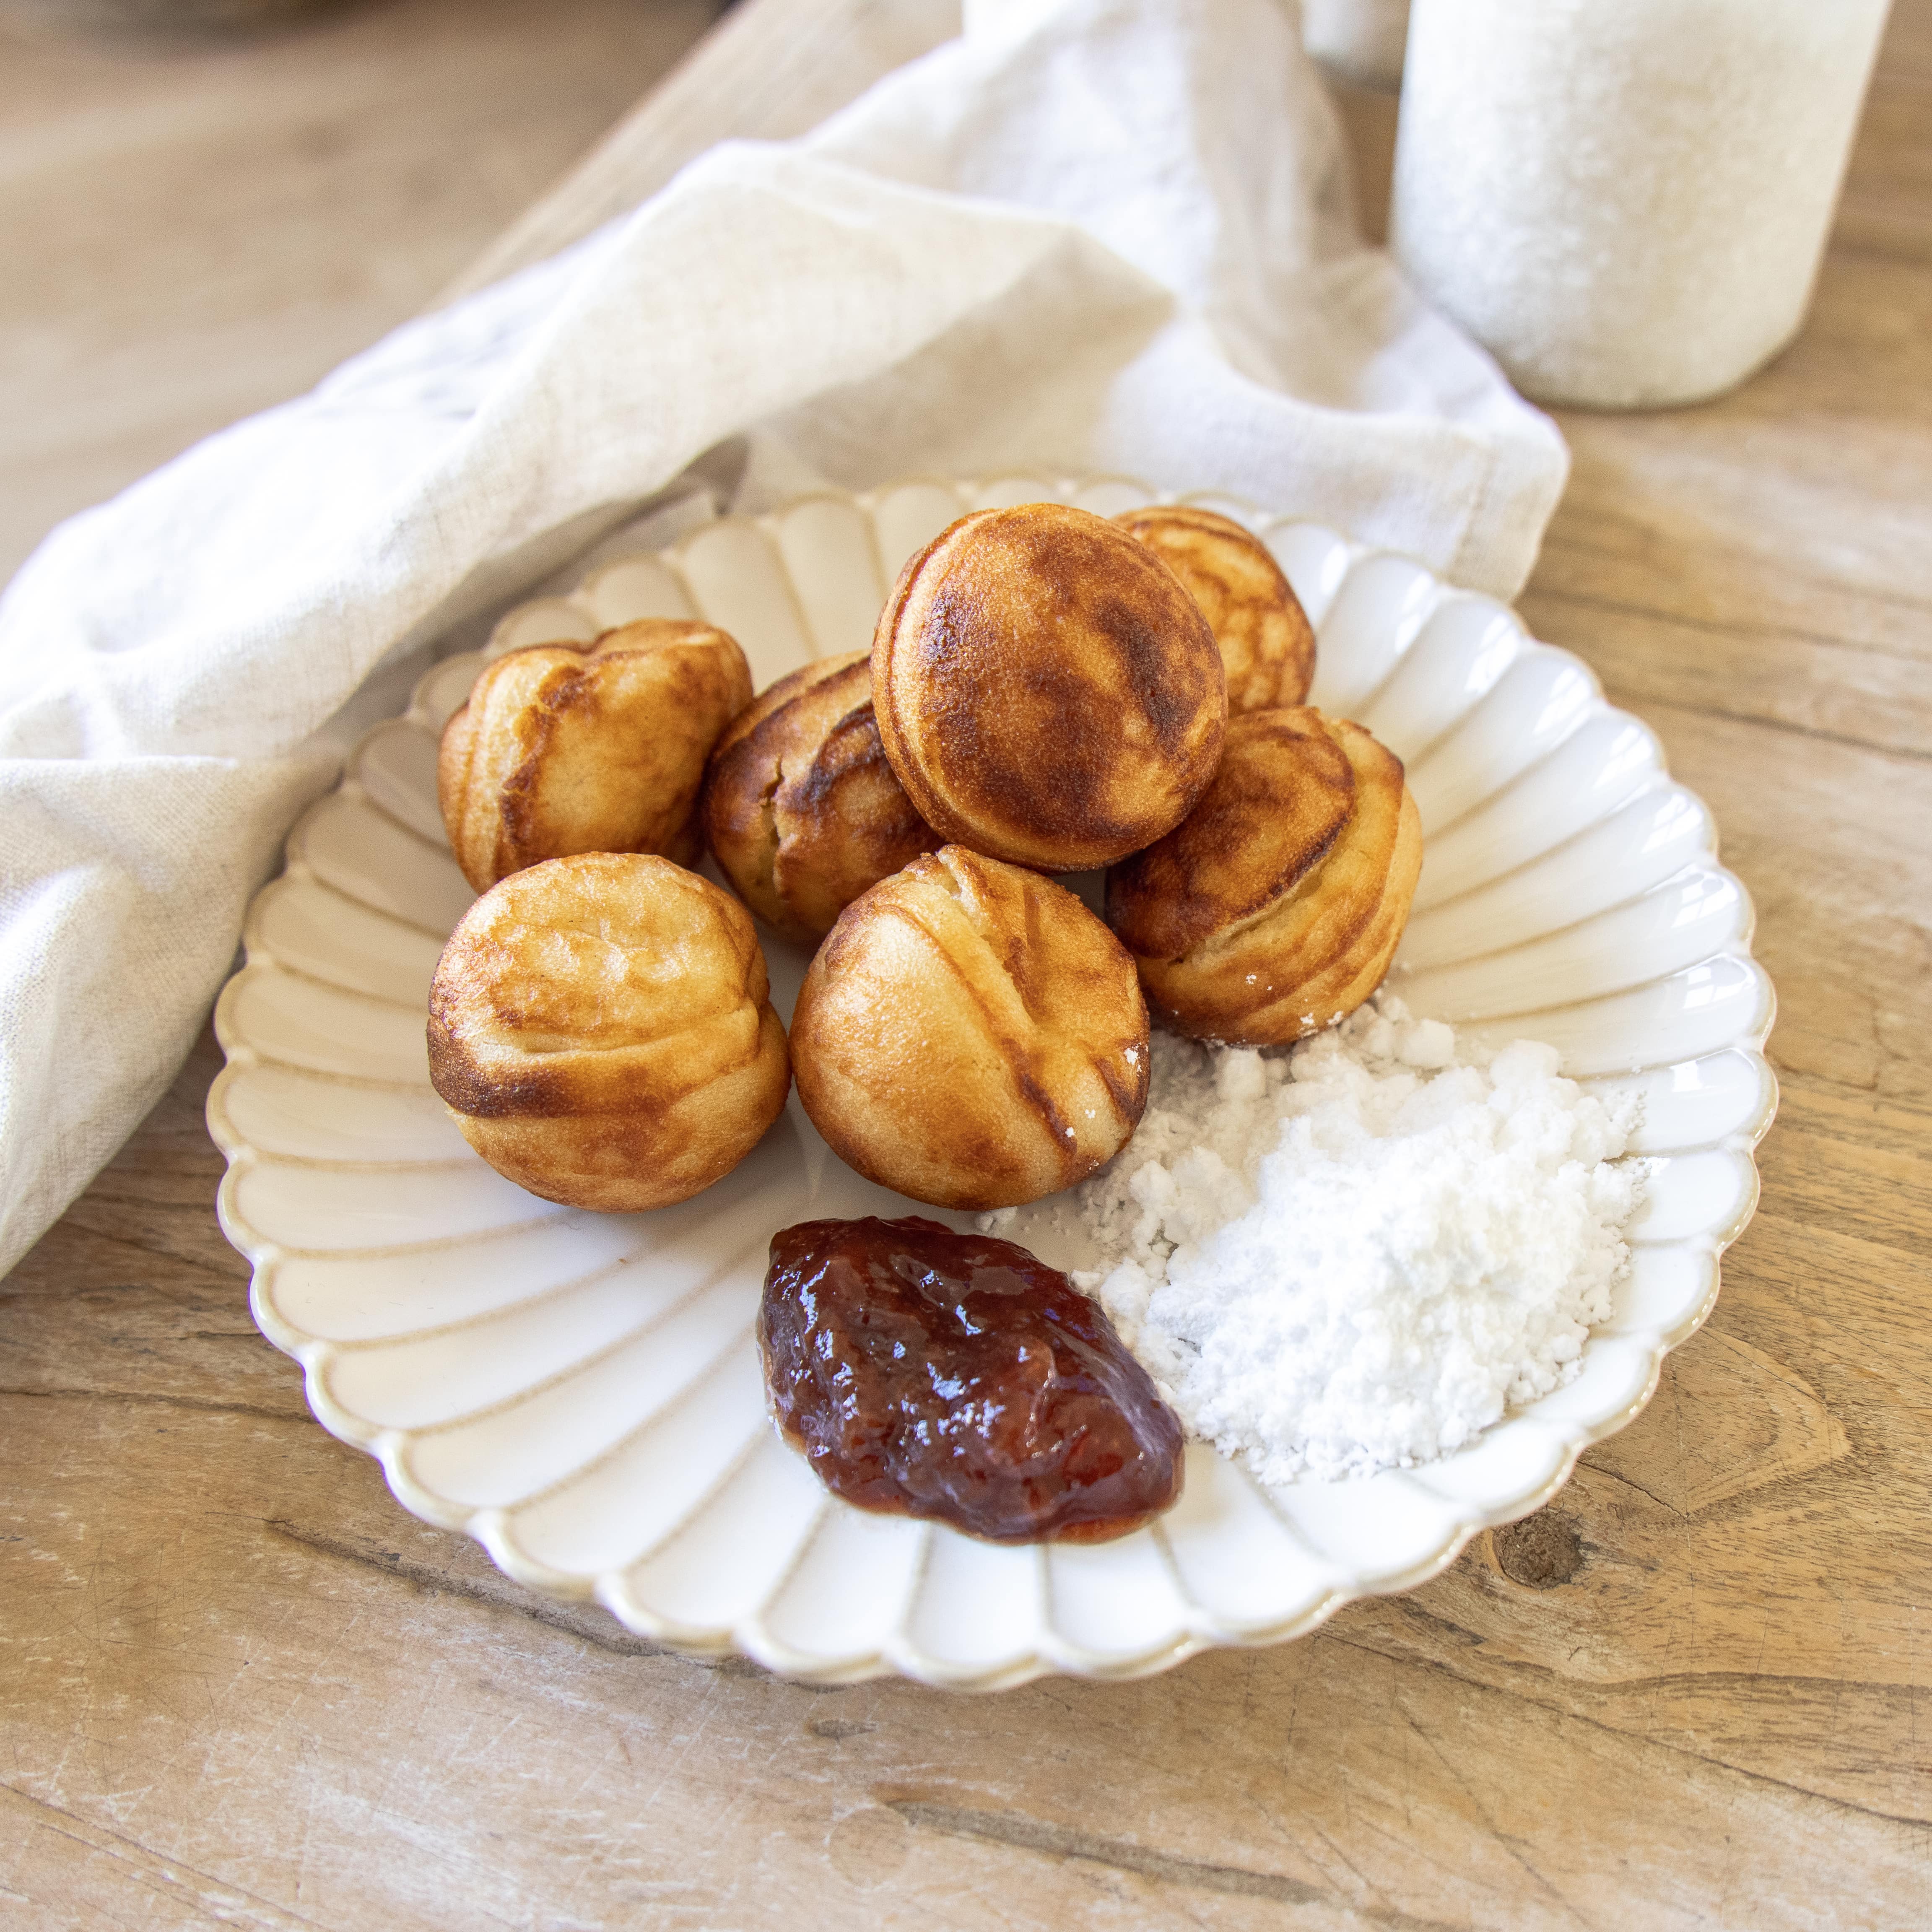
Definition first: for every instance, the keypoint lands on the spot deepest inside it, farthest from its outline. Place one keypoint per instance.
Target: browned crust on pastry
(801, 809)
(600, 1028)
(784, 691)
(1257, 938)
(1046, 691)
(1282, 797)
(1268, 644)
(567, 748)
(970, 1035)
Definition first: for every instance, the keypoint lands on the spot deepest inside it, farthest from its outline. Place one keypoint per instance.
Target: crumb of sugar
(1356, 1255)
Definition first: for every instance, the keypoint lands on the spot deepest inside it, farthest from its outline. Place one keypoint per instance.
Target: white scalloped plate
(581, 1392)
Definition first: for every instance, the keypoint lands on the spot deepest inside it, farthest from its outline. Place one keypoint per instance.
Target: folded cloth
(1088, 234)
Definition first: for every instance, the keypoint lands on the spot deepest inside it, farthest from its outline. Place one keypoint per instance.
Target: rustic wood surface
(197, 230)
(238, 1684)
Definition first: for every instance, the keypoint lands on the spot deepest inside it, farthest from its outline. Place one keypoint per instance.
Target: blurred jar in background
(1360, 41)
(1627, 200)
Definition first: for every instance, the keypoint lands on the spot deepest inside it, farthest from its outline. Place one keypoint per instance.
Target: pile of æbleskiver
(1048, 692)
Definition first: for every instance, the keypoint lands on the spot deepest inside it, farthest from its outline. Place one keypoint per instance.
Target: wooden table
(208, 228)
(241, 1686)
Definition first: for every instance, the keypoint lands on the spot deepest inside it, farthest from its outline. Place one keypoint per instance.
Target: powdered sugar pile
(1358, 1254)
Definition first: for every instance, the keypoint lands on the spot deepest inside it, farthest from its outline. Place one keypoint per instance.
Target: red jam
(932, 1374)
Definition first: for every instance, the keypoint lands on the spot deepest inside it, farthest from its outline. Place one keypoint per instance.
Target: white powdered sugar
(1358, 1255)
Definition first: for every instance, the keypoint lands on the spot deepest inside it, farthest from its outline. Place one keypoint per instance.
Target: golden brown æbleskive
(1046, 691)
(799, 807)
(970, 1035)
(600, 1028)
(1274, 910)
(1268, 644)
(569, 747)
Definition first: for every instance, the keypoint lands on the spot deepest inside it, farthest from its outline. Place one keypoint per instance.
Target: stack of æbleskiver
(1048, 692)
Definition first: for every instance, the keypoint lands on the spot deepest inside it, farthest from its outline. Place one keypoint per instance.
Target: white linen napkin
(1089, 235)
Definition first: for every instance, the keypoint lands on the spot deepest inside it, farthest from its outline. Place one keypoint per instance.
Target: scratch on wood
(160, 1401)
(1759, 626)
(1062, 1841)
(227, 1903)
(594, 1626)
(1906, 753)
(1525, 1677)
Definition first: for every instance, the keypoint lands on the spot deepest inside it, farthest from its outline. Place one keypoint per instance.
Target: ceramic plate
(581, 1392)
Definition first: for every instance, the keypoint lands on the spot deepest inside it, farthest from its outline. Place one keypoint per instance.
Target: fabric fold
(1094, 235)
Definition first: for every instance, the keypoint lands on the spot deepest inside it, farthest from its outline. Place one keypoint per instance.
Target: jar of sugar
(1626, 200)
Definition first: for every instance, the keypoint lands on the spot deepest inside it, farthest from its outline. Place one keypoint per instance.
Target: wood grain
(239, 1685)
(198, 232)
